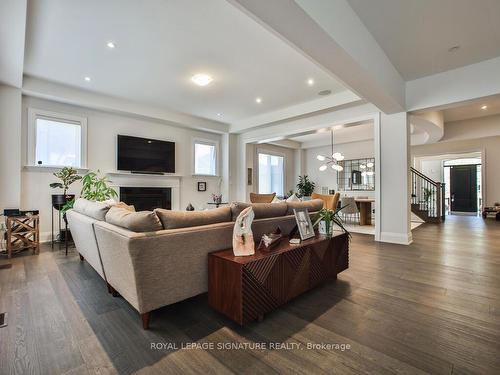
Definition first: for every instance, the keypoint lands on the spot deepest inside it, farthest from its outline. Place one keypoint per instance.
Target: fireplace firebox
(147, 198)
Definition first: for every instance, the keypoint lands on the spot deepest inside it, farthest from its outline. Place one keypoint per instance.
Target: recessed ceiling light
(258, 100)
(219, 114)
(454, 48)
(310, 81)
(111, 44)
(484, 107)
(201, 79)
(88, 79)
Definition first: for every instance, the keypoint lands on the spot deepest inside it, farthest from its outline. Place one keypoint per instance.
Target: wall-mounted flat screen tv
(145, 155)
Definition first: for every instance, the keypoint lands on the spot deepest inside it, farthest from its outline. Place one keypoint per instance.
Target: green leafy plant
(95, 187)
(305, 186)
(330, 217)
(428, 193)
(68, 176)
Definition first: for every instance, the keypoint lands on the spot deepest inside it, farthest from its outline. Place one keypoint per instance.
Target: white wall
(328, 178)
(102, 131)
(10, 147)
(433, 169)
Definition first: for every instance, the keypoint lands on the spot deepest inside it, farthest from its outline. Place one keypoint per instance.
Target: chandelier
(331, 161)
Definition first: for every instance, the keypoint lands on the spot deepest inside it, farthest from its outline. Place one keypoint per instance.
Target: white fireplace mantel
(127, 179)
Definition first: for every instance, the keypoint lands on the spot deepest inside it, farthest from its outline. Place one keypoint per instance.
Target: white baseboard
(399, 238)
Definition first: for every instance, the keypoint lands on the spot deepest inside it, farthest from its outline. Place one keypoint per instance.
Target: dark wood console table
(246, 288)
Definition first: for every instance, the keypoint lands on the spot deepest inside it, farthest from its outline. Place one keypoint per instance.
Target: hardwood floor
(432, 307)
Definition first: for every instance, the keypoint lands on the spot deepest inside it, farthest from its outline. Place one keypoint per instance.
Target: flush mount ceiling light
(219, 114)
(201, 79)
(111, 44)
(258, 100)
(310, 81)
(87, 79)
(484, 107)
(333, 160)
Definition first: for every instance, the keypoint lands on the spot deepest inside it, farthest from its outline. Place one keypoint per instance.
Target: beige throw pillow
(143, 221)
(96, 210)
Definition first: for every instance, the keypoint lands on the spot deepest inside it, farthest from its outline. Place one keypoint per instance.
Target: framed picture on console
(202, 186)
(304, 224)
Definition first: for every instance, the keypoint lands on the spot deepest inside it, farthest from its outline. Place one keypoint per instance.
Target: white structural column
(394, 181)
(10, 147)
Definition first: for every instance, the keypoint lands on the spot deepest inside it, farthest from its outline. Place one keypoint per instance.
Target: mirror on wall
(357, 175)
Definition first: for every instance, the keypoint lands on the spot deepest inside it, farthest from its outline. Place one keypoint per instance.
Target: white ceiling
(160, 46)
(347, 134)
(473, 110)
(416, 34)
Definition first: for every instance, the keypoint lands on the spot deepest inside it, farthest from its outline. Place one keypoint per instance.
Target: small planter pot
(325, 228)
(59, 200)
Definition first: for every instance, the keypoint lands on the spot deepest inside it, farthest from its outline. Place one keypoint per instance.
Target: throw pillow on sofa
(142, 221)
(96, 210)
(185, 219)
(293, 198)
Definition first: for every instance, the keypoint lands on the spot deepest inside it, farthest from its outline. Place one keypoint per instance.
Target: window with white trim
(56, 139)
(205, 158)
(271, 174)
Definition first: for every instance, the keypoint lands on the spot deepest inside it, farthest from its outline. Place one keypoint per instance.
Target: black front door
(463, 188)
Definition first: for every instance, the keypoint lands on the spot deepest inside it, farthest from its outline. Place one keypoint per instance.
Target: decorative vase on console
(243, 243)
(189, 207)
(217, 199)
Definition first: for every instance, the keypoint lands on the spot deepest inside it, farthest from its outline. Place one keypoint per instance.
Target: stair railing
(427, 195)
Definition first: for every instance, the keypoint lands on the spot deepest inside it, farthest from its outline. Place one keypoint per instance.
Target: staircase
(427, 198)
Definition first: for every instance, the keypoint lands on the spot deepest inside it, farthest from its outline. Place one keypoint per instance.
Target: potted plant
(68, 176)
(94, 188)
(305, 187)
(325, 219)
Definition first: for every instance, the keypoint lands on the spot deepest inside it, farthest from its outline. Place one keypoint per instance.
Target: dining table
(365, 210)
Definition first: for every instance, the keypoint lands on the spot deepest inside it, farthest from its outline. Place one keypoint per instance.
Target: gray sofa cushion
(143, 221)
(312, 205)
(96, 210)
(185, 219)
(261, 210)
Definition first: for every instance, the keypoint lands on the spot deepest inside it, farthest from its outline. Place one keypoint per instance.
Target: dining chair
(330, 201)
(261, 198)
(351, 209)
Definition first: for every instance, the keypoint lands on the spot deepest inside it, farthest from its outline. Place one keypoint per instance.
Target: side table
(23, 232)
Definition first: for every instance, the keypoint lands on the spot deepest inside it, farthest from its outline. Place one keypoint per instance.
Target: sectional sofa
(153, 259)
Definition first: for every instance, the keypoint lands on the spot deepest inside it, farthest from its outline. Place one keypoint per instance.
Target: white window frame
(34, 114)
(209, 142)
(272, 153)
